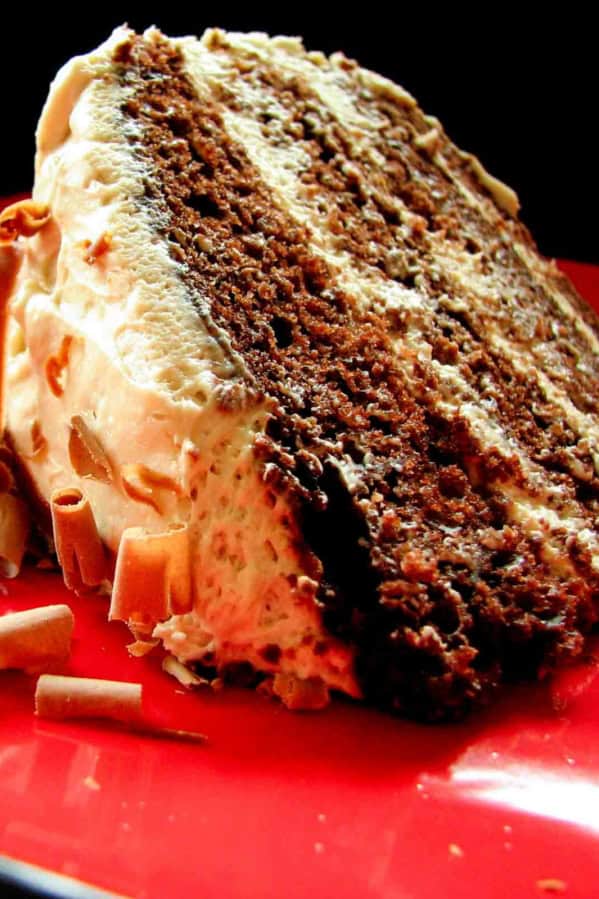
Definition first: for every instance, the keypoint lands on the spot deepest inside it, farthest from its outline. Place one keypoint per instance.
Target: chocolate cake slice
(334, 416)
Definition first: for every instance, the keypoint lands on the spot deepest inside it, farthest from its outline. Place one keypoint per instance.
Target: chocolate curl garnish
(140, 648)
(22, 219)
(78, 545)
(87, 455)
(36, 640)
(14, 531)
(98, 248)
(56, 364)
(60, 698)
(39, 444)
(180, 672)
(141, 484)
(87, 697)
(152, 580)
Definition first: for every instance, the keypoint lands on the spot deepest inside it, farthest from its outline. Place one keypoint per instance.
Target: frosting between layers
(281, 164)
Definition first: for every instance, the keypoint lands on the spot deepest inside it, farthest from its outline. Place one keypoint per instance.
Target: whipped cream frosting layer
(159, 385)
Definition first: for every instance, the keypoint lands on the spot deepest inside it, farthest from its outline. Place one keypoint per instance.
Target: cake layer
(324, 327)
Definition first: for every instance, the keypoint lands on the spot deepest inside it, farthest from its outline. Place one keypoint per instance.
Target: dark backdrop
(521, 95)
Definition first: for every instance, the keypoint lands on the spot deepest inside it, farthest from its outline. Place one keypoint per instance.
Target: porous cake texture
(296, 322)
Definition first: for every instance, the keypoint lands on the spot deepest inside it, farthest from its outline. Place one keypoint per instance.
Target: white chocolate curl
(78, 545)
(86, 453)
(36, 640)
(14, 530)
(23, 219)
(59, 698)
(87, 697)
(180, 672)
(153, 577)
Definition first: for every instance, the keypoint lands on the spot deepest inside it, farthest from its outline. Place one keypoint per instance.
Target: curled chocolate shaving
(22, 219)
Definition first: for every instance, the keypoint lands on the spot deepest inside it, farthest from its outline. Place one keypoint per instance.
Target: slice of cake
(290, 358)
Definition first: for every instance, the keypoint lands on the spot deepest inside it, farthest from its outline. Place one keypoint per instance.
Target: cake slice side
(310, 315)
(397, 482)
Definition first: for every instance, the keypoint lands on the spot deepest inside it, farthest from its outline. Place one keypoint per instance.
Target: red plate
(347, 803)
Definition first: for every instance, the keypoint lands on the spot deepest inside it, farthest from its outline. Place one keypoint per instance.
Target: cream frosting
(147, 376)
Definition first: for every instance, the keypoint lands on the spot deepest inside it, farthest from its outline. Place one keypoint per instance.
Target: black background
(520, 94)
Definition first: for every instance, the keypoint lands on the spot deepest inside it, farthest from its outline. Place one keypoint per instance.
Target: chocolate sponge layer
(423, 573)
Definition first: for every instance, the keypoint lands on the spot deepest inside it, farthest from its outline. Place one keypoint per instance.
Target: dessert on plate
(293, 380)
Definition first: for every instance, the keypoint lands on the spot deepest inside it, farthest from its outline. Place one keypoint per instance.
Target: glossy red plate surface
(347, 803)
